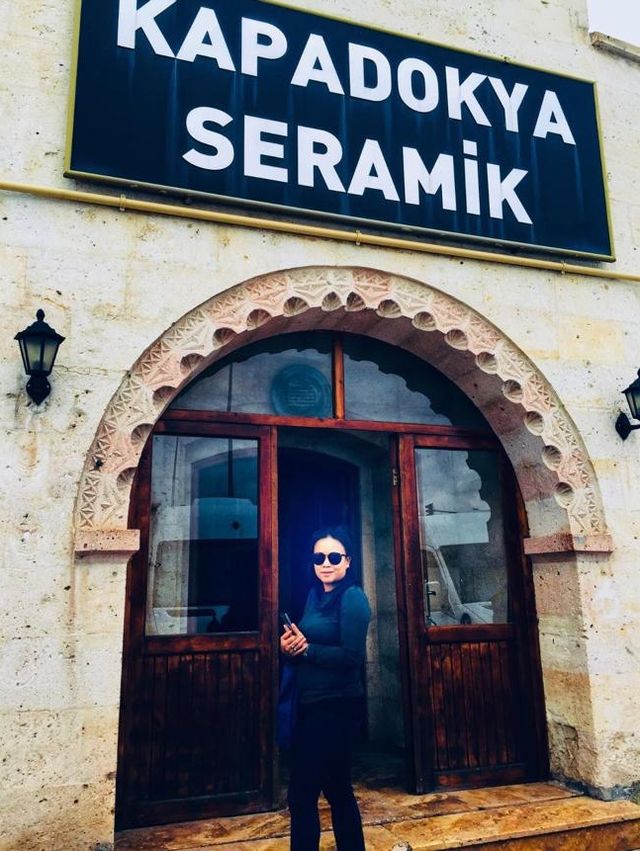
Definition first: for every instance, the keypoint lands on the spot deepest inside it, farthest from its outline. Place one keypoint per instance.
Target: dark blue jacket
(335, 624)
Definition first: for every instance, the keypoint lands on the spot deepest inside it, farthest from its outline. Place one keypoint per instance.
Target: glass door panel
(203, 543)
(462, 537)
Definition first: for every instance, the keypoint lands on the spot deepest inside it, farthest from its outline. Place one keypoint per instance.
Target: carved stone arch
(547, 452)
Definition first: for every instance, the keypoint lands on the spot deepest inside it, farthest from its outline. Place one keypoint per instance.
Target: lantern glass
(49, 351)
(23, 352)
(33, 348)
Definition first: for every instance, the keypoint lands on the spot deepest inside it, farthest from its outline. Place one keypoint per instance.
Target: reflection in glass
(203, 541)
(462, 543)
(288, 375)
(387, 384)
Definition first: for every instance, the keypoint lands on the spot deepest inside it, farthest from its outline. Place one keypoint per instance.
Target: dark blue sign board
(256, 103)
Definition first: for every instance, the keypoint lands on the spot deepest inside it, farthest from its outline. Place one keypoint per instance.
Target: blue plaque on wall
(300, 390)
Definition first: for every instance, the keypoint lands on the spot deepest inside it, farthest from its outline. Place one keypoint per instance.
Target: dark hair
(339, 533)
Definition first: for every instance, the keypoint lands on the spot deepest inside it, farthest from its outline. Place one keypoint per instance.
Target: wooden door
(197, 718)
(474, 684)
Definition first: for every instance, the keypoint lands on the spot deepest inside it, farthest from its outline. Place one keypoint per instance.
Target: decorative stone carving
(200, 336)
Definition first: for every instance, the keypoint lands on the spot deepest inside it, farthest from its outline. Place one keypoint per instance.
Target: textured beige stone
(545, 355)
(97, 596)
(74, 817)
(59, 672)
(13, 277)
(568, 543)
(557, 587)
(48, 745)
(40, 612)
(584, 336)
(116, 541)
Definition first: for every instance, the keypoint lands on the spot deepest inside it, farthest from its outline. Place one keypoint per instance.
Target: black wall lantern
(38, 346)
(623, 426)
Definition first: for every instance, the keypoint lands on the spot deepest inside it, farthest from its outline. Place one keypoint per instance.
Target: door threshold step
(573, 824)
(521, 817)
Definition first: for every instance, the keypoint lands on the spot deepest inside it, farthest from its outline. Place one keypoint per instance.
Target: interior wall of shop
(113, 282)
(369, 452)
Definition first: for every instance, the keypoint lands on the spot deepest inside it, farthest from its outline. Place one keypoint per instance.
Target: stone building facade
(146, 300)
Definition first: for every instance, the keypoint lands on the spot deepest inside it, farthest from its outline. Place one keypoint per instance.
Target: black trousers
(321, 762)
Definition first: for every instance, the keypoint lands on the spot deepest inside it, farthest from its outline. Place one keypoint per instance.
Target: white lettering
(372, 172)
(325, 161)
(206, 26)
(417, 177)
(255, 148)
(131, 19)
(316, 53)
(504, 190)
(196, 121)
(358, 55)
(253, 49)
(406, 70)
(551, 119)
(472, 186)
(510, 102)
(459, 93)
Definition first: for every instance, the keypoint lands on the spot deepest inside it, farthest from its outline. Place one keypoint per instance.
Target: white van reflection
(443, 606)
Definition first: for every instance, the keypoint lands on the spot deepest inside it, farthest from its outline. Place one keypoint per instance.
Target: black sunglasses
(334, 558)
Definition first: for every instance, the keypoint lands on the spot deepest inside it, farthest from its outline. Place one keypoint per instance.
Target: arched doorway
(393, 447)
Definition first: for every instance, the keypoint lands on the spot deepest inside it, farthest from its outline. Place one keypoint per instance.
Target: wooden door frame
(523, 622)
(404, 438)
(129, 812)
(403, 604)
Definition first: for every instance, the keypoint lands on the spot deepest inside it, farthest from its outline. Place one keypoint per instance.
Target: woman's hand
(292, 641)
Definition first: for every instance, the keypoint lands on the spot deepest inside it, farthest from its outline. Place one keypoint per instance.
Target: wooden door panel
(475, 708)
(199, 733)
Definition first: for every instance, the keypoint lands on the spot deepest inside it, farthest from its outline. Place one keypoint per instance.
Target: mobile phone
(286, 620)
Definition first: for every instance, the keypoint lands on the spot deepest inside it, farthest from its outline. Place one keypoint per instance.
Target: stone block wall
(112, 283)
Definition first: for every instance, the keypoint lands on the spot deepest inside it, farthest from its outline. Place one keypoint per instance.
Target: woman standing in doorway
(329, 645)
